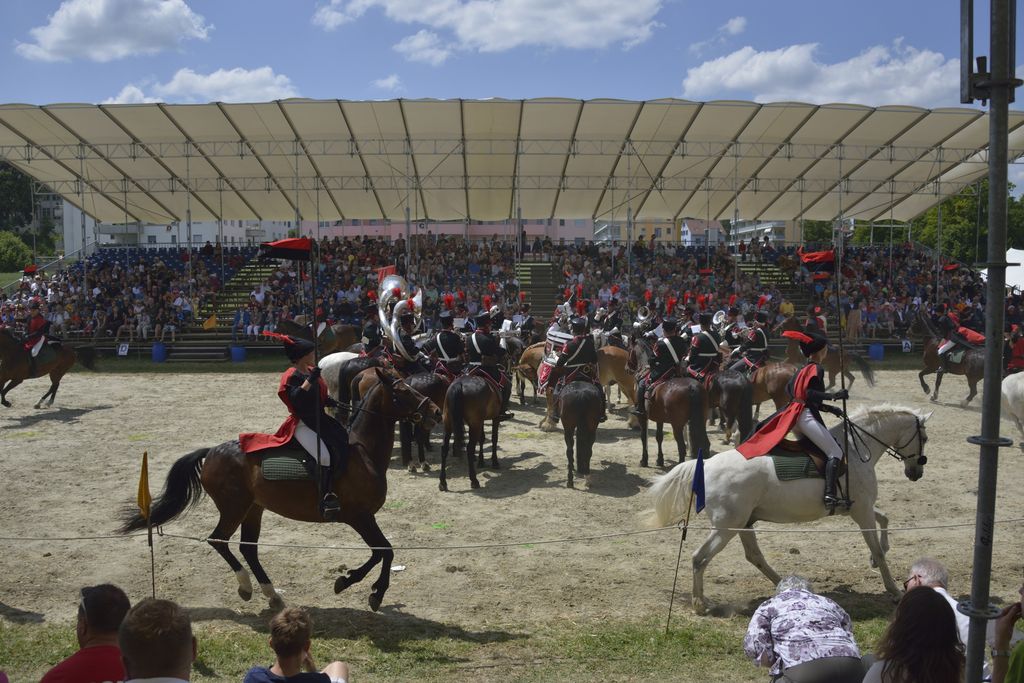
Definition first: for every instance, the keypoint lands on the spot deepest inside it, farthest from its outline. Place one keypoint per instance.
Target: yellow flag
(145, 500)
(210, 322)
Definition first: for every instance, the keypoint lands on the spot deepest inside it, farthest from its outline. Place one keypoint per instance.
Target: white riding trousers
(307, 439)
(37, 346)
(946, 346)
(818, 435)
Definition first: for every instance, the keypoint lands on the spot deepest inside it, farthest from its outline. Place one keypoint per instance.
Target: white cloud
(391, 83)
(880, 75)
(734, 26)
(423, 46)
(499, 25)
(106, 30)
(130, 94)
(223, 85)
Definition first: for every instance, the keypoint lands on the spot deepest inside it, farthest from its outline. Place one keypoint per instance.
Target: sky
(869, 52)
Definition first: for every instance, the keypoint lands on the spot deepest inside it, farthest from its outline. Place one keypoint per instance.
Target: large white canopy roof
(486, 160)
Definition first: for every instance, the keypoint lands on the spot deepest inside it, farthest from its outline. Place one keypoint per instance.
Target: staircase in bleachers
(236, 292)
(541, 282)
(771, 274)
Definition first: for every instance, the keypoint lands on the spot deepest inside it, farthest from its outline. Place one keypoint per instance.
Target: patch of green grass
(401, 647)
(394, 504)
(24, 434)
(139, 437)
(440, 525)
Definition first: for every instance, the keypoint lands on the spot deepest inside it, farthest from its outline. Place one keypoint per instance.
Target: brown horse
(770, 382)
(235, 482)
(470, 402)
(731, 392)
(611, 366)
(682, 402)
(581, 408)
(16, 365)
(526, 370)
(333, 339)
(971, 366)
(834, 362)
(433, 386)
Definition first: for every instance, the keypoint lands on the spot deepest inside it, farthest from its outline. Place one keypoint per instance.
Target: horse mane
(867, 416)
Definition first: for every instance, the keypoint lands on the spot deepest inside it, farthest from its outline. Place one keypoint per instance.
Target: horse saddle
(800, 460)
(291, 462)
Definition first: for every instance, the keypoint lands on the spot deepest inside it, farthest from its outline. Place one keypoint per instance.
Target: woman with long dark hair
(921, 645)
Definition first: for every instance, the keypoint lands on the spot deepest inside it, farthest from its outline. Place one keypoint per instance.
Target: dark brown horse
(682, 402)
(732, 393)
(235, 482)
(470, 402)
(581, 405)
(16, 365)
(971, 365)
(434, 386)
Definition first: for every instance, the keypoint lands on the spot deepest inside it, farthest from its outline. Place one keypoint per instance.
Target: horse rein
(893, 451)
(356, 407)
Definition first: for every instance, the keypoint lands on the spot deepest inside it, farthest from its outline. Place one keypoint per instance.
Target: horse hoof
(38, 406)
(412, 468)
(934, 399)
(342, 582)
(964, 404)
(7, 404)
(425, 466)
(495, 465)
(277, 602)
(474, 484)
(700, 608)
(442, 486)
(569, 484)
(586, 482)
(644, 463)
(374, 602)
(245, 595)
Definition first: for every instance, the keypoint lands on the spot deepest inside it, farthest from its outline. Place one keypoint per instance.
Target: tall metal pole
(188, 224)
(81, 202)
(1000, 88)
(938, 254)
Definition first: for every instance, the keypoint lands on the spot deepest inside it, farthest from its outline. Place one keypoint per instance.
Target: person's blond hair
(290, 631)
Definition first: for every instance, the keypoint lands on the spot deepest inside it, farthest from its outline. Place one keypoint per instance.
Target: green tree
(14, 254)
(15, 197)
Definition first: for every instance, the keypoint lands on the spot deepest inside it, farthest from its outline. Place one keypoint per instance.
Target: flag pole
(144, 501)
(838, 246)
(679, 558)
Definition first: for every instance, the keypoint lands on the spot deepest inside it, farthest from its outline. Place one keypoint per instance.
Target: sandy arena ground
(68, 470)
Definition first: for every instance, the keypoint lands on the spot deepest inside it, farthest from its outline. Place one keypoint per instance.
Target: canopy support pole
(1000, 90)
(220, 227)
(83, 254)
(188, 224)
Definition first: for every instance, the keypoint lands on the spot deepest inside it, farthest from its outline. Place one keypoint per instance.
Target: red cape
(976, 338)
(778, 426)
(258, 441)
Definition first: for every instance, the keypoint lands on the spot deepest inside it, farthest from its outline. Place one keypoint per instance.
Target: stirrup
(330, 507)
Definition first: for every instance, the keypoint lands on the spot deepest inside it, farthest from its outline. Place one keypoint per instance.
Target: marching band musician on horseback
(753, 347)
(668, 353)
(578, 357)
(408, 358)
(732, 334)
(704, 355)
(447, 347)
(372, 338)
(484, 353)
(305, 408)
(803, 414)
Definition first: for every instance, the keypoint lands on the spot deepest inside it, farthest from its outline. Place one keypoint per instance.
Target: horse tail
(86, 355)
(182, 490)
(864, 367)
(745, 416)
(698, 421)
(670, 495)
(455, 398)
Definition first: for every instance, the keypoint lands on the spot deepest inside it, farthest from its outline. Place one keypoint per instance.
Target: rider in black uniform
(732, 334)
(612, 324)
(703, 357)
(528, 327)
(668, 353)
(484, 352)
(446, 346)
(372, 336)
(579, 355)
(753, 348)
(415, 364)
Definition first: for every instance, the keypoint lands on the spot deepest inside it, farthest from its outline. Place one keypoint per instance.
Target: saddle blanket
(790, 467)
(957, 355)
(289, 463)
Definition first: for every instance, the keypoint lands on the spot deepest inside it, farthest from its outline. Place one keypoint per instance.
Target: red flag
(951, 266)
(732, 299)
(384, 272)
(706, 271)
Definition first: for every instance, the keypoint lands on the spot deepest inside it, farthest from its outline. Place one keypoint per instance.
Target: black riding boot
(604, 407)
(330, 509)
(831, 477)
(505, 397)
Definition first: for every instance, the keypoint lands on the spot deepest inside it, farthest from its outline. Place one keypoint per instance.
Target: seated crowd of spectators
(152, 294)
(798, 635)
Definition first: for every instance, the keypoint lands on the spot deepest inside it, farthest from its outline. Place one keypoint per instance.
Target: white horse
(330, 369)
(1013, 400)
(740, 492)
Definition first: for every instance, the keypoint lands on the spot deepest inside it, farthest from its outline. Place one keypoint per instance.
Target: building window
(174, 239)
(150, 239)
(356, 223)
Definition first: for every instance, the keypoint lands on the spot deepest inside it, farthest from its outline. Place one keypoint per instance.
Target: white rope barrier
(511, 544)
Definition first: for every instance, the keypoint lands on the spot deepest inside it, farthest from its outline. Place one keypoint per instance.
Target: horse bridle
(894, 451)
(416, 417)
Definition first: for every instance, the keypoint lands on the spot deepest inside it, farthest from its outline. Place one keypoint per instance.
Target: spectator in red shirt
(100, 613)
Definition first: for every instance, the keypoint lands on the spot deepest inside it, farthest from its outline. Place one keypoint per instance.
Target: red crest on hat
(462, 295)
(492, 287)
(449, 301)
(522, 296)
(396, 292)
(581, 307)
(615, 289)
(647, 295)
(372, 295)
(487, 300)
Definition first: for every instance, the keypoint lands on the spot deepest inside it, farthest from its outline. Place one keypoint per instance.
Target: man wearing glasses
(101, 610)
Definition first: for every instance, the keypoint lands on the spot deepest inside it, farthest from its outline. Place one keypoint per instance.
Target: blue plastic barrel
(237, 354)
(876, 351)
(159, 352)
